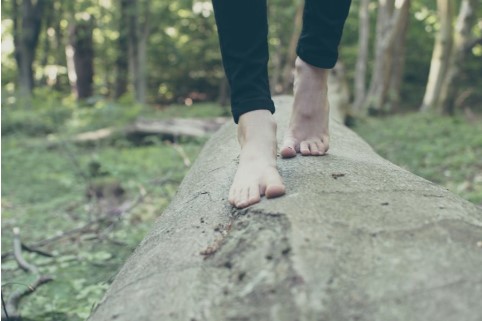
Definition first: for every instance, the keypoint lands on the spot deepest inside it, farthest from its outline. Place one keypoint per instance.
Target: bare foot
(308, 129)
(257, 174)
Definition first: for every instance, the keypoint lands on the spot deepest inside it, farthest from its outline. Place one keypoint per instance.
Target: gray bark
(27, 23)
(138, 33)
(389, 24)
(80, 55)
(440, 56)
(462, 40)
(356, 238)
(362, 58)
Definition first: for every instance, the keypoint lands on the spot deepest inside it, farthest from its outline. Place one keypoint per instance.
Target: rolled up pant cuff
(249, 105)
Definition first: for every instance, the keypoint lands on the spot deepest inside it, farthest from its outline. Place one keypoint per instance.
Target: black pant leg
(243, 37)
(323, 22)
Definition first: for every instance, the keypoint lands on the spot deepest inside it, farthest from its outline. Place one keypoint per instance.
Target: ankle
(255, 123)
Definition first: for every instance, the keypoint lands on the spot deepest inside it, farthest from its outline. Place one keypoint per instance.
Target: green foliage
(445, 150)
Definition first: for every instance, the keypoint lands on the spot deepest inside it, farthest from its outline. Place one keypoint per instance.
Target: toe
(253, 195)
(314, 149)
(289, 148)
(321, 148)
(242, 199)
(288, 152)
(274, 185)
(326, 143)
(231, 197)
(304, 148)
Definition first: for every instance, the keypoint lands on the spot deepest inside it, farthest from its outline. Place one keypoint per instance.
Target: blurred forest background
(83, 179)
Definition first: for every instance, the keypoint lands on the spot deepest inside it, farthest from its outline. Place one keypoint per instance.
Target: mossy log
(355, 238)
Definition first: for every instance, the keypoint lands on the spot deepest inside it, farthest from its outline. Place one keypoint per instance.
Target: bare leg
(257, 174)
(308, 129)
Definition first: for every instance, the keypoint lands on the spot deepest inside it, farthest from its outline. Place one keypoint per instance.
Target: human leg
(317, 51)
(242, 29)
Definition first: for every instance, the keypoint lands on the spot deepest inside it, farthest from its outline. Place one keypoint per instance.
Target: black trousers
(243, 32)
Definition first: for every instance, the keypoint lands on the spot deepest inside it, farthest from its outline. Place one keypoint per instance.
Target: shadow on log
(355, 238)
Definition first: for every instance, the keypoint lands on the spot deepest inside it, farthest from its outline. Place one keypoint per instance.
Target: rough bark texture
(356, 238)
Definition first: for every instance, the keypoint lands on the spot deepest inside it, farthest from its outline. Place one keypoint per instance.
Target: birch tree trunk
(363, 52)
(462, 40)
(440, 56)
(389, 23)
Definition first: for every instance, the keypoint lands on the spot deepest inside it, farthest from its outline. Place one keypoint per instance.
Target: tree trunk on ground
(356, 238)
(363, 52)
(27, 24)
(462, 40)
(80, 56)
(440, 56)
(138, 32)
(122, 61)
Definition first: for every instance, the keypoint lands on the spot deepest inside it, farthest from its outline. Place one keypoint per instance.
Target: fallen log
(355, 238)
(168, 129)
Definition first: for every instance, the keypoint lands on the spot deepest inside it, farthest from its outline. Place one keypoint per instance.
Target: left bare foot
(308, 130)
(257, 174)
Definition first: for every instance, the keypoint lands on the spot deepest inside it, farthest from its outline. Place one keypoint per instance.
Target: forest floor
(45, 188)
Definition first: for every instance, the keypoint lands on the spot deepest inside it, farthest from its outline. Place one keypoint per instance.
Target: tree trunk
(440, 56)
(287, 76)
(339, 93)
(363, 52)
(462, 40)
(389, 23)
(138, 32)
(358, 238)
(223, 94)
(80, 55)
(26, 35)
(398, 61)
(122, 61)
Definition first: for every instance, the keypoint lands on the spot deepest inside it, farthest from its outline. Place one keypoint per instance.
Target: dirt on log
(355, 238)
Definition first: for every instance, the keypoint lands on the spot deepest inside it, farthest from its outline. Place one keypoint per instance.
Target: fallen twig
(10, 308)
(178, 148)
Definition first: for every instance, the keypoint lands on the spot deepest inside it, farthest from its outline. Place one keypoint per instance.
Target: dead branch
(17, 253)
(178, 148)
(10, 308)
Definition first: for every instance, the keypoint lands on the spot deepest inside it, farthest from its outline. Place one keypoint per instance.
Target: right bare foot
(257, 174)
(308, 130)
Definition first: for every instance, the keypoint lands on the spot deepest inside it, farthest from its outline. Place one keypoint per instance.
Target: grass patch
(45, 192)
(444, 150)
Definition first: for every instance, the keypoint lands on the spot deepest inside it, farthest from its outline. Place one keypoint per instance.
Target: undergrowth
(444, 150)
